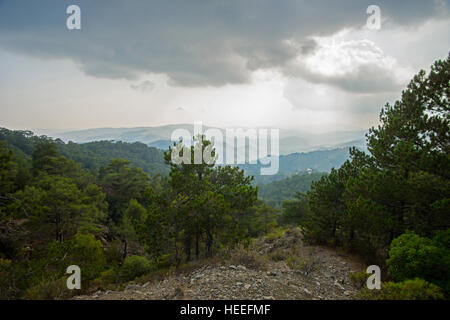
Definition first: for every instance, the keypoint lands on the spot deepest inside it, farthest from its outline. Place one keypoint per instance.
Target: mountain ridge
(291, 141)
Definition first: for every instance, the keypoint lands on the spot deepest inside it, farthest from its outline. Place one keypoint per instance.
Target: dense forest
(275, 192)
(122, 210)
(91, 155)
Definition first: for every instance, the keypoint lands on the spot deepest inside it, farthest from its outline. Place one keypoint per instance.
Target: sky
(313, 66)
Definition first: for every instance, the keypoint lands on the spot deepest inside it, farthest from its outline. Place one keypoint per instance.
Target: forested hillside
(115, 221)
(91, 155)
(274, 193)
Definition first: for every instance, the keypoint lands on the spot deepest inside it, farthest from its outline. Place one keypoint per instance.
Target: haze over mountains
(291, 141)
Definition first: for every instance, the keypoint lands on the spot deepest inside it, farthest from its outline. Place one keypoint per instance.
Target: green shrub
(107, 278)
(114, 253)
(50, 290)
(359, 279)
(277, 233)
(163, 261)
(442, 239)
(416, 289)
(133, 267)
(87, 253)
(412, 256)
(6, 275)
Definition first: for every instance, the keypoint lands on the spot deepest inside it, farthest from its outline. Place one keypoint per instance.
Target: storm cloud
(204, 43)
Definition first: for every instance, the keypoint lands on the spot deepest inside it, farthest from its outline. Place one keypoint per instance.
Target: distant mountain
(300, 163)
(359, 143)
(291, 141)
(161, 144)
(294, 144)
(140, 134)
(96, 153)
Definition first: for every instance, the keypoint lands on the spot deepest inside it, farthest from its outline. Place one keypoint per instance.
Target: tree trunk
(197, 251)
(209, 242)
(187, 248)
(125, 248)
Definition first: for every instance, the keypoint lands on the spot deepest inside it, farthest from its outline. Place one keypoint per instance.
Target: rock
(272, 273)
(146, 285)
(247, 286)
(337, 284)
(132, 287)
(232, 267)
(178, 293)
(242, 268)
(268, 298)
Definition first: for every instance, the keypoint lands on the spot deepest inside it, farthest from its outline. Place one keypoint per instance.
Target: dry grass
(247, 257)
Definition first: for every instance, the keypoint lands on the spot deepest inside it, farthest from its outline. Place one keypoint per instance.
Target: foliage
(359, 279)
(275, 192)
(133, 267)
(295, 211)
(49, 290)
(415, 289)
(412, 256)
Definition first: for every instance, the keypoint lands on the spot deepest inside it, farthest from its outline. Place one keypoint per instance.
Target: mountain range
(291, 141)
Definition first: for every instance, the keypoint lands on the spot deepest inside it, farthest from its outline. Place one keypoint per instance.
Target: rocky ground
(290, 269)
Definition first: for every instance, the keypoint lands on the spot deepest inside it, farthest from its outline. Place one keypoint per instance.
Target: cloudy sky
(309, 65)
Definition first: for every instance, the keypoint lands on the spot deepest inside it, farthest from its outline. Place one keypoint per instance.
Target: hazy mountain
(291, 141)
(300, 163)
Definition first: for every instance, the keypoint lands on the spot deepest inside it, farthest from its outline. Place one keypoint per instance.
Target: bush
(6, 275)
(416, 289)
(275, 234)
(442, 239)
(246, 257)
(359, 279)
(278, 254)
(50, 290)
(107, 278)
(302, 263)
(412, 256)
(87, 253)
(133, 267)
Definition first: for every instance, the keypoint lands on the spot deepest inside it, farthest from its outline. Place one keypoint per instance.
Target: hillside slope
(321, 273)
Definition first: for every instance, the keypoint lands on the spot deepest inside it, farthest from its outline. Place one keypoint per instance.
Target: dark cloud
(194, 42)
